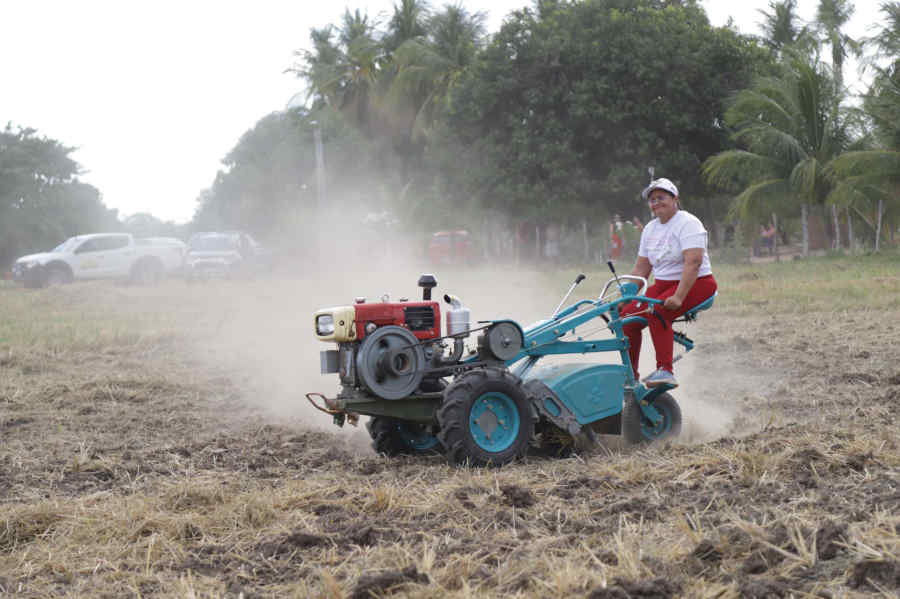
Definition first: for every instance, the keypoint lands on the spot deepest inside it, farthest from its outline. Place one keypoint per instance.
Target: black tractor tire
(467, 399)
(147, 271)
(388, 437)
(636, 429)
(432, 385)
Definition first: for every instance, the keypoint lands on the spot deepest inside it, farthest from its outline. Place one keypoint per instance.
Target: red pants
(661, 333)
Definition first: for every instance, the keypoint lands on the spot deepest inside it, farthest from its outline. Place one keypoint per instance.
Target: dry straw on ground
(154, 444)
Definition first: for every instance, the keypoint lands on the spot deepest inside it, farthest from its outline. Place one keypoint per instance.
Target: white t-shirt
(663, 244)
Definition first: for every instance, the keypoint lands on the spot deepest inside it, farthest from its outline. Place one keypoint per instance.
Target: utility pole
(320, 168)
(298, 101)
(320, 190)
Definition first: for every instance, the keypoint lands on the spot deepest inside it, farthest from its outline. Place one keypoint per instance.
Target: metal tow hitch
(332, 407)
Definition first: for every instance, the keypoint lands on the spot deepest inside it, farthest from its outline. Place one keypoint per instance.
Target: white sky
(153, 95)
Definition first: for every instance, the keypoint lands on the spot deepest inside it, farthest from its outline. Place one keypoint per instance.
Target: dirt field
(155, 442)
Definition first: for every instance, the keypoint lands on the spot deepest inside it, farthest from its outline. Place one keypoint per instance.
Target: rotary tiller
(424, 392)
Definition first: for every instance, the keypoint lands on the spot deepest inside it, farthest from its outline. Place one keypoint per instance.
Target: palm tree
(359, 65)
(870, 177)
(789, 133)
(344, 73)
(427, 68)
(887, 41)
(407, 23)
(319, 67)
(781, 27)
(831, 16)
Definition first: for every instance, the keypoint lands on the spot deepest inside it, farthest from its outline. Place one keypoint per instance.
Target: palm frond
(731, 168)
(761, 198)
(772, 142)
(872, 165)
(805, 179)
(759, 105)
(855, 192)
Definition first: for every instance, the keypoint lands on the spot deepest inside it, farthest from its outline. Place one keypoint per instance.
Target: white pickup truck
(102, 256)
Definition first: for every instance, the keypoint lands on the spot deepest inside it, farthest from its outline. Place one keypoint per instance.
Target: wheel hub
(488, 422)
(494, 421)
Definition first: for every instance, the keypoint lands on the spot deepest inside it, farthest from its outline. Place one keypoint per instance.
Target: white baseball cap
(663, 184)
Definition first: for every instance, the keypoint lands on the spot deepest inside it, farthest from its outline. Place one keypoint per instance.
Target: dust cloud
(264, 335)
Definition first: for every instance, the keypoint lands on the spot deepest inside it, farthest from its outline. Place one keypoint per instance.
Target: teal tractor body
(505, 397)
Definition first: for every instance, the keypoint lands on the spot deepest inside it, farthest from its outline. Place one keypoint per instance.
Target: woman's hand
(672, 303)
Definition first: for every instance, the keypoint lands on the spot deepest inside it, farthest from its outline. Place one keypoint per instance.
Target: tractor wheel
(637, 429)
(432, 385)
(400, 437)
(486, 418)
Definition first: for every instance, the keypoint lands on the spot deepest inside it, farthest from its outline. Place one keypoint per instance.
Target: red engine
(422, 319)
(390, 350)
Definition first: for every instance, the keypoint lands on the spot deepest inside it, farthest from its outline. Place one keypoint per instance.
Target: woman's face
(663, 205)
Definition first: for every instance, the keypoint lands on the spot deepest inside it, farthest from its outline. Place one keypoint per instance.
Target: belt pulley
(391, 362)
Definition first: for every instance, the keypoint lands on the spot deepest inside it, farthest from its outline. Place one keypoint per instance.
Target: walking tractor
(394, 366)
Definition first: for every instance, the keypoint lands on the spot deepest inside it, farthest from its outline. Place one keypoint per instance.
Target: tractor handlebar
(629, 286)
(628, 278)
(633, 298)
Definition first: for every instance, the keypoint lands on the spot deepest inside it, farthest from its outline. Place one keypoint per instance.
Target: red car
(450, 247)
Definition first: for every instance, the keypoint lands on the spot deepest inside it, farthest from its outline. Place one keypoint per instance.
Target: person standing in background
(615, 238)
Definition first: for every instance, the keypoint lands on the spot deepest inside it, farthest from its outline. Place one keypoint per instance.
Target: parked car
(176, 249)
(450, 247)
(224, 254)
(100, 256)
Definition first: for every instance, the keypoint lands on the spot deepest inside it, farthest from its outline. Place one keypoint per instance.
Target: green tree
(428, 66)
(782, 29)
(560, 116)
(886, 42)
(267, 184)
(144, 224)
(831, 16)
(267, 178)
(787, 133)
(407, 23)
(320, 68)
(343, 73)
(42, 202)
(867, 179)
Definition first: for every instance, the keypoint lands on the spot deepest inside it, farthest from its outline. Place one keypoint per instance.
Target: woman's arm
(693, 258)
(642, 267)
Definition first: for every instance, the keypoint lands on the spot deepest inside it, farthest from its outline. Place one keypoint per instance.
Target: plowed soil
(155, 442)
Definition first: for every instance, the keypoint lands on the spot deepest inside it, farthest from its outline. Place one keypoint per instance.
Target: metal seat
(691, 314)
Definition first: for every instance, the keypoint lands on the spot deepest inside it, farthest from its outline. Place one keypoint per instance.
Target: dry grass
(152, 447)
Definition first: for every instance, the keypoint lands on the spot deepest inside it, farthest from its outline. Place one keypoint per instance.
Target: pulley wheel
(390, 362)
(504, 340)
